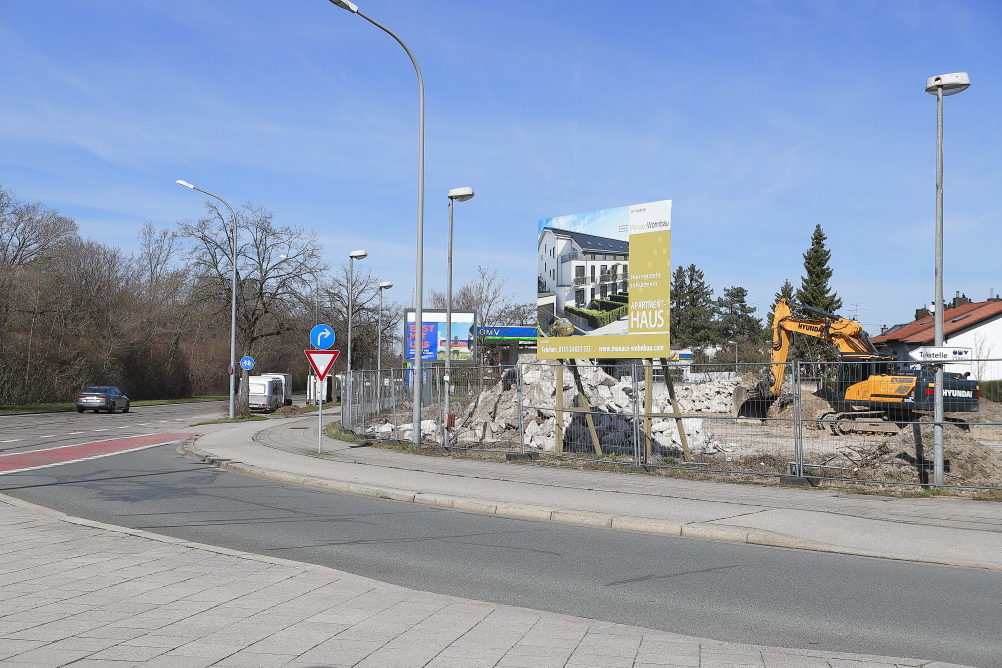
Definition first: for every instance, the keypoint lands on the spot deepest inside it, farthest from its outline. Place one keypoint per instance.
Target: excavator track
(844, 423)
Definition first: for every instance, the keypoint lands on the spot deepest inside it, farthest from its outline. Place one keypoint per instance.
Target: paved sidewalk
(938, 530)
(90, 595)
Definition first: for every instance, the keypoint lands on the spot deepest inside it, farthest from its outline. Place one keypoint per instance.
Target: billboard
(603, 283)
(434, 343)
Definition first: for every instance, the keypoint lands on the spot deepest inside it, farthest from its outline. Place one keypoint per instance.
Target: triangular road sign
(322, 361)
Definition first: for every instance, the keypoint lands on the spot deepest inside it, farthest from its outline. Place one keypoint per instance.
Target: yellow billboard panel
(613, 346)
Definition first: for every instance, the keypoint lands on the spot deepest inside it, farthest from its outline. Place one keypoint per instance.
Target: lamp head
(358, 254)
(461, 194)
(951, 84)
(185, 184)
(385, 285)
(344, 4)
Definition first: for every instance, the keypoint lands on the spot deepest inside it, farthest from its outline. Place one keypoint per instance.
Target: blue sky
(759, 119)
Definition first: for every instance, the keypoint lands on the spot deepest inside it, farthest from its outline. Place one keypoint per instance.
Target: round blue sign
(322, 337)
(247, 363)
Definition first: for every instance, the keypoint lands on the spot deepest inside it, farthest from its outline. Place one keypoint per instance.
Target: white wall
(985, 341)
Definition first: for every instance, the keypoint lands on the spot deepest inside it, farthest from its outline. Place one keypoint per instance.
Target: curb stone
(724, 532)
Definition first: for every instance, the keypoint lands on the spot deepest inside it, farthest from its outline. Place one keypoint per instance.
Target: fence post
(518, 394)
(558, 425)
(798, 423)
(640, 454)
(648, 404)
(393, 398)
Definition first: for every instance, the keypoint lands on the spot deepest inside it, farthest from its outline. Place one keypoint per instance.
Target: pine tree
(814, 290)
(692, 309)
(737, 321)
(785, 292)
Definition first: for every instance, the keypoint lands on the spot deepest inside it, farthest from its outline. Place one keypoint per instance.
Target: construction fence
(701, 418)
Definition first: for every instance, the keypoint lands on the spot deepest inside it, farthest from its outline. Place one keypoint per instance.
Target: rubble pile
(493, 416)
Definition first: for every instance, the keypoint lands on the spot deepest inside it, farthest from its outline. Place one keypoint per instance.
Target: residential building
(974, 325)
(578, 268)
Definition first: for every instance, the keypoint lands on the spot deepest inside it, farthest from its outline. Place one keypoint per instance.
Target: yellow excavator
(868, 390)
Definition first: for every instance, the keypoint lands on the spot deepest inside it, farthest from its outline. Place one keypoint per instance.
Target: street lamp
(385, 285)
(941, 86)
(419, 269)
(455, 195)
(735, 344)
(233, 291)
(352, 256)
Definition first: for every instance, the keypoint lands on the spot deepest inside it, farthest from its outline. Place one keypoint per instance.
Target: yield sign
(321, 361)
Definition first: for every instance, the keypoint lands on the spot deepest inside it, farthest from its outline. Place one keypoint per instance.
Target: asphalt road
(39, 431)
(727, 591)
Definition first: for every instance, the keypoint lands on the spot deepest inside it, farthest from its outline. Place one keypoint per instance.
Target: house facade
(578, 268)
(974, 325)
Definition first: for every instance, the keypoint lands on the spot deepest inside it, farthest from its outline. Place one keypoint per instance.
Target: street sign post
(322, 362)
(940, 354)
(247, 363)
(322, 337)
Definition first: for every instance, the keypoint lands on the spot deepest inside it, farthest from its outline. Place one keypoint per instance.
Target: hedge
(598, 319)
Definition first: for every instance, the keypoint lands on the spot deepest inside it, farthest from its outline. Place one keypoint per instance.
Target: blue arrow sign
(322, 337)
(247, 363)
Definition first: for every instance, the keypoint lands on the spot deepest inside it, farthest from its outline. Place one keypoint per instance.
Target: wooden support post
(558, 427)
(676, 411)
(648, 404)
(587, 409)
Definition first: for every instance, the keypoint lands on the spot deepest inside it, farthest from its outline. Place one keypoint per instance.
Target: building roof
(591, 243)
(922, 331)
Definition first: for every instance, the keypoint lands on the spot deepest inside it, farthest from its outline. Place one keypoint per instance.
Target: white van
(286, 379)
(267, 393)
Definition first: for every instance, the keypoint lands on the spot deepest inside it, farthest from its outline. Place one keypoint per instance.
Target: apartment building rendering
(577, 268)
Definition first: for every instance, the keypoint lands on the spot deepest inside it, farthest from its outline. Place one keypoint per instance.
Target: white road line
(163, 420)
(142, 424)
(13, 440)
(49, 436)
(100, 430)
(124, 426)
(74, 433)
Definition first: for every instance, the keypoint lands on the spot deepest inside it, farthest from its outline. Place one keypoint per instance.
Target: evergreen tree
(693, 310)
(785, 292)
(737, 321)
(814, 290)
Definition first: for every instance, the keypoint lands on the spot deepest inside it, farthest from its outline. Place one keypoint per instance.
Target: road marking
(49, 436)
(142, 424)
(101, 429)
(14, 440)
(124, 426)
(163, 420)
(74, 433)
(40, 459)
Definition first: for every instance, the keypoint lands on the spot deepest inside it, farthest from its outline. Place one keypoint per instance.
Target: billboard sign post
(604, 283)
(434, 343)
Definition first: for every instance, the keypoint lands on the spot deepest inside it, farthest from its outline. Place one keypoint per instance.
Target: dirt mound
(908, 457)
(811, 407)
(289, 410)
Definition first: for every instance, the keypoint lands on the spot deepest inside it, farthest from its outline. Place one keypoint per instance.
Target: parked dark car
(102, 397)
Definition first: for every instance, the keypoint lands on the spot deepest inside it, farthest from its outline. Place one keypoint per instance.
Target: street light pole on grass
(419, 269)
(352, 256)
(233, 291)
(455, 195)
(941, 86)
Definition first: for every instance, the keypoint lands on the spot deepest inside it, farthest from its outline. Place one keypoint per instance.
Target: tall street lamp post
(233, 293)
(455, 195)
(385, 285)
(419, 269)
(352, 256)
(944, 84)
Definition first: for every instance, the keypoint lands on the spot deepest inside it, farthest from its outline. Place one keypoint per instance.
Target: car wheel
(111, 408)
(128, 405)
(79, 410)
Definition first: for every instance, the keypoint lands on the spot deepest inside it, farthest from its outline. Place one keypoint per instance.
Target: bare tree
(29, 232)
(487, 295)
(274, 266)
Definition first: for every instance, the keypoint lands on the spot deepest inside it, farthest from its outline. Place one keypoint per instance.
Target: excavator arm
(847, 335)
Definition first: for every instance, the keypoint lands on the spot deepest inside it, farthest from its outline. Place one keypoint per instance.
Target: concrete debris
(493, 416)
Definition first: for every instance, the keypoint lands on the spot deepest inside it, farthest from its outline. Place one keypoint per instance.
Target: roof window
(961, 317)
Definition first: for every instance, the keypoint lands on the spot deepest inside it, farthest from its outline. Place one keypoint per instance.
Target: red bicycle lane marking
(68, 454)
